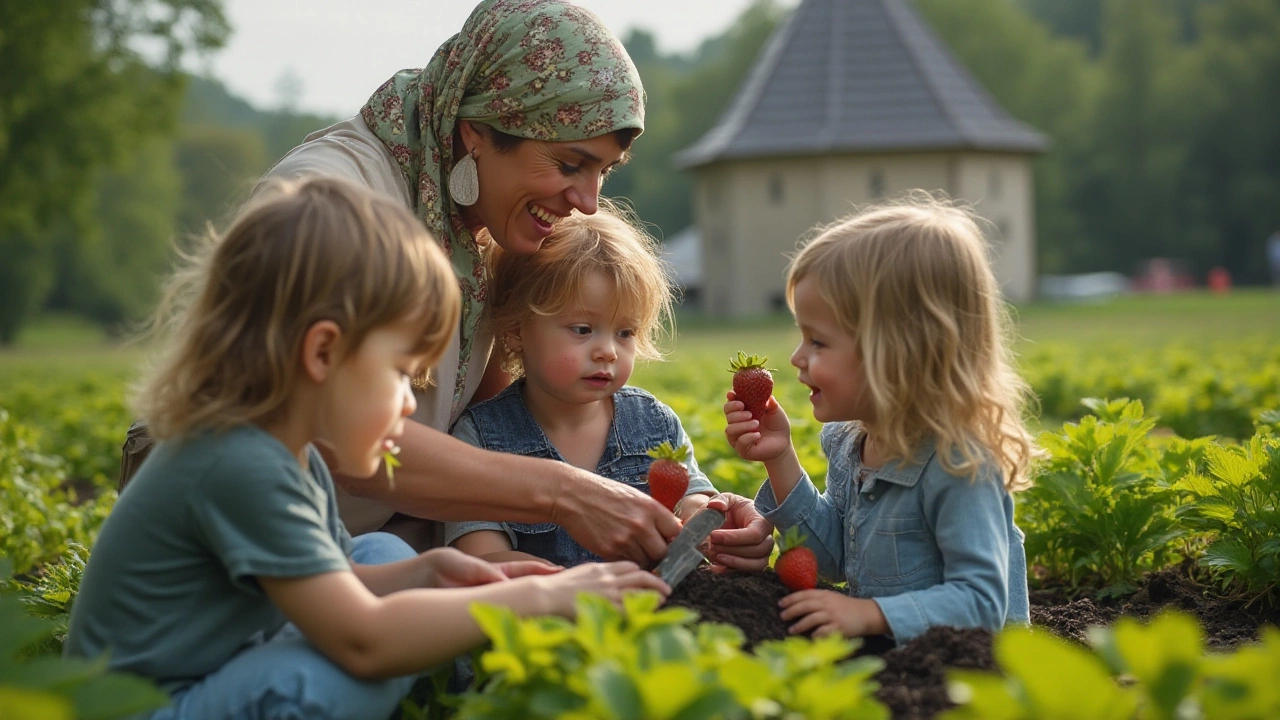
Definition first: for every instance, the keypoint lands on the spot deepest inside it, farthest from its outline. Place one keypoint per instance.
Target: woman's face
(526, 190)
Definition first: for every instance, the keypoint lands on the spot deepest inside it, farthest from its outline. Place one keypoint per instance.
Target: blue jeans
(286, 678)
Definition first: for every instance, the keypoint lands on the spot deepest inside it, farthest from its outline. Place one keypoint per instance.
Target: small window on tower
(776, 190)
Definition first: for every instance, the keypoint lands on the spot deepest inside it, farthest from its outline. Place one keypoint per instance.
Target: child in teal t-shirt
(224, 573)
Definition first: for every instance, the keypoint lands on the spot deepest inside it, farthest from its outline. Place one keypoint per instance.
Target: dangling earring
(464, 181)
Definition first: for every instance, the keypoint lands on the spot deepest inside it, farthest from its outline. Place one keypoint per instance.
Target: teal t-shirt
(170, 587)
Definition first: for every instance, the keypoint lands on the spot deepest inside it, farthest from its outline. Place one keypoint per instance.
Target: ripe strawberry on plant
(796, 566)
(668, 477)
(752, 382)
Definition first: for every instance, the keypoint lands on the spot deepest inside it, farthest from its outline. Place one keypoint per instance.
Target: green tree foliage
(218, 166)
(1230, 184)
(1045, 81)
(685, 98)
(1126, 186)
(108, 269)
(77, 97)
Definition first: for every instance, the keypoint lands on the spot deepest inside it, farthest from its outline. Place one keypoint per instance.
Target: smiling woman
(510, 129)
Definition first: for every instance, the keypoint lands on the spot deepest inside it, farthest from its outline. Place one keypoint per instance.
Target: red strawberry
(668, 477)
(796, 566)
(752, 382)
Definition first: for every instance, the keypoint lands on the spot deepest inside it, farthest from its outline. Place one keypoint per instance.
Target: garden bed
(913, 682)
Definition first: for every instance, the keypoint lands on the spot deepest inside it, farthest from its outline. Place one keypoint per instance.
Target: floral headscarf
(538, 69)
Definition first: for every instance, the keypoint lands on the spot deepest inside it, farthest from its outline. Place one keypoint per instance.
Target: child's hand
(759, 440)
(522, 568)
(827, 612)
(745, 542)
(609, 580)
(450, 567)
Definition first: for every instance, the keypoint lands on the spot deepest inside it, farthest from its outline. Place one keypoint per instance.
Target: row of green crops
(1185, 467)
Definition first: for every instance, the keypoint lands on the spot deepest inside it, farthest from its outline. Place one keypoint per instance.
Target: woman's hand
(761, 440)
(745, 542)
(610, 580)
(827, 612)
(611, 519)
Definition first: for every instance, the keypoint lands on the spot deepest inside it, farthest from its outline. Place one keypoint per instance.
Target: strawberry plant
(1237, 504)
(35, 684)
(646, 662)
(1099, 507)
(40, 515)
(1158, 671)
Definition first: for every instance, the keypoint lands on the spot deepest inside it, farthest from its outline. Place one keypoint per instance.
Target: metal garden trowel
(683, 554)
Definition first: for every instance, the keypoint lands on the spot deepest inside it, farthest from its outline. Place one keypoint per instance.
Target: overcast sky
(340, 51)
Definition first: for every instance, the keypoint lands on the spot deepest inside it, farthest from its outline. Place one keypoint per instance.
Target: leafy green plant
(35, 685)
(1158, 671)
(1100, 507)
(39, 514)
(1237, 502)
(645, 662)
(51, 593)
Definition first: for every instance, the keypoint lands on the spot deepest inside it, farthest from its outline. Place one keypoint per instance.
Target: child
(304, 324)
(903, 348)
(570, 321)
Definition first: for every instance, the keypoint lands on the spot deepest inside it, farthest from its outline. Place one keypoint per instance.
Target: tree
(1127, 192)
(1230, 187)
(1047, 82)
(685, 98)
(109, 270)
(76, 98)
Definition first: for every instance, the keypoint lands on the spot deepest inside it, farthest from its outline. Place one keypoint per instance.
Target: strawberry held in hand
(668, 477)
(752, 382)
(796, 566)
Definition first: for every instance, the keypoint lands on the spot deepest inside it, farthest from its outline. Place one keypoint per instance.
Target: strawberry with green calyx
(668, 477)
(752, 382)
(796, 566)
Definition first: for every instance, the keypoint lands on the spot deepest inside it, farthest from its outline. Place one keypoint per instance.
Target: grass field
(1191, 319)
(67, 345)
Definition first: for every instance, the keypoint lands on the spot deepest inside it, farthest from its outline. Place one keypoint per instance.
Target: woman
(513, 125)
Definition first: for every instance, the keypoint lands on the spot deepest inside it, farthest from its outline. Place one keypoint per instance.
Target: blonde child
(904, 350)
(302, 326)
(570, 321)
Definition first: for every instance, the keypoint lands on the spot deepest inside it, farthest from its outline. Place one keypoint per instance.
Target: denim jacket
(640, 422)
(930, 547)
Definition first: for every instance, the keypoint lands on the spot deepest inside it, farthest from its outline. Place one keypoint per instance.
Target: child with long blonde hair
(905, 352)
(224, 573)
(570, 321)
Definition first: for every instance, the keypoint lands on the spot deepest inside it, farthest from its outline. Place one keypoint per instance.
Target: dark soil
(913, 682)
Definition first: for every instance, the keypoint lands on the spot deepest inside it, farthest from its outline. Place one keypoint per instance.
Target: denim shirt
(930, 547)
(640, 422)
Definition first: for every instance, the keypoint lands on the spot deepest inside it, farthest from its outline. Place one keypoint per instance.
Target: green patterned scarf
(538, 69)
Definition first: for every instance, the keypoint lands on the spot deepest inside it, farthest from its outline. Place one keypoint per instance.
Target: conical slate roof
(858, 76)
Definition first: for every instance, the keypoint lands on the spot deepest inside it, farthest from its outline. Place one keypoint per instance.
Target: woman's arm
(443, 478)
(494, 380)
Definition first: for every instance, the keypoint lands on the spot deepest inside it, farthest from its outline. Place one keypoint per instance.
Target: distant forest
(1161, 114)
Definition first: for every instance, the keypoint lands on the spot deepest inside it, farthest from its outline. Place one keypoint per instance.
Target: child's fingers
(745, 442)
(808, 623)
(830, 628)
(521, 568)
(800, 597)
(733, 406)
